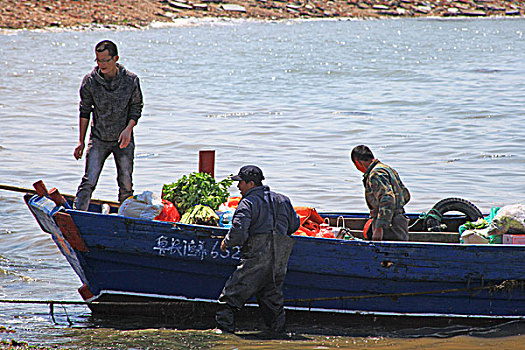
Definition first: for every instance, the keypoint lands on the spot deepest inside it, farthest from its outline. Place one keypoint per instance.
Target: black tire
(433, 223)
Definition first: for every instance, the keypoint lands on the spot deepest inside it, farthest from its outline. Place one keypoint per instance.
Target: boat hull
(123, 259)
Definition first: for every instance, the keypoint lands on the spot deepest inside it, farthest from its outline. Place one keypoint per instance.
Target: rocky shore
(32, 14)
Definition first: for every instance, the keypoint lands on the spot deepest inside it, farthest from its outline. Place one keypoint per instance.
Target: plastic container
(225, 219)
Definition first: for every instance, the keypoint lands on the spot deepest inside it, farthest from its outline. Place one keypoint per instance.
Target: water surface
(439, 100)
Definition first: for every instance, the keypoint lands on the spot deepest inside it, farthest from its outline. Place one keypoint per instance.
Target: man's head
(107, 57)
(362, 156)
(249, 176)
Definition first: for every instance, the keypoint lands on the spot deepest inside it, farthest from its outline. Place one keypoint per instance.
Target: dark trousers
(97, 153)
(255, 276)
(398, 230)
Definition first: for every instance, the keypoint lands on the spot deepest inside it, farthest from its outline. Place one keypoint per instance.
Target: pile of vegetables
(201, 215)
(197, 197)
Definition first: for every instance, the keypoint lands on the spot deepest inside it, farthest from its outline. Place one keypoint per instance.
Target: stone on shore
(233, 8)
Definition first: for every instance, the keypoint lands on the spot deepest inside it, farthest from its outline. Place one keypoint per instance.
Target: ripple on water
(440, 101)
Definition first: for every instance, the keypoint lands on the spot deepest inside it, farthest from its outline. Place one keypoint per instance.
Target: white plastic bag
(478, 236)
(146, 205)
(510, 218)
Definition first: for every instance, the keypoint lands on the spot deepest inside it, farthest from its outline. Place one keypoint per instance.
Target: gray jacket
(254, 216)
(112, 102)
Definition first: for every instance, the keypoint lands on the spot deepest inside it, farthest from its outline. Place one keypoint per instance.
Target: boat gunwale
(219, 232)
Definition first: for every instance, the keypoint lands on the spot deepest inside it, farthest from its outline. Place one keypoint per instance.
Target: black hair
(107, 45)
(362, 153)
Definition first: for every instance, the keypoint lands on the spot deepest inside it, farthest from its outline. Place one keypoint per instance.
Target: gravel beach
(15, 14)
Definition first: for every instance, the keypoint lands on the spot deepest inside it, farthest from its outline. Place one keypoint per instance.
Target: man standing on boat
(385, 196)
(112, 94)
(261, 225)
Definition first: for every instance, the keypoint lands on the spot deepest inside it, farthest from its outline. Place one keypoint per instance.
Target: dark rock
(180, 5)
(388, 13)
(495, 8)
(512, 13)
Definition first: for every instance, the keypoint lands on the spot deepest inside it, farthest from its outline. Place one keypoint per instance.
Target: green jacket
(385, 193)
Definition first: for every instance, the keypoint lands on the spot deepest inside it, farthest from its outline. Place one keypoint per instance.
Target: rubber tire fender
(453, 204)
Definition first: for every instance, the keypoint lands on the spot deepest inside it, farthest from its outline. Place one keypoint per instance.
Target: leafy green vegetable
(197, 188)
(201, 215)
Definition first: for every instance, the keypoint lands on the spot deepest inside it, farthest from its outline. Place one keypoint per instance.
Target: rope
(432, 213)
(507, 286)
(94, 303)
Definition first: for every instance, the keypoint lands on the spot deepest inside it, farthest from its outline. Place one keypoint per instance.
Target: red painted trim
(40, 188)
(85, 293)
(207, 162)
(70, 231)
(56, 197)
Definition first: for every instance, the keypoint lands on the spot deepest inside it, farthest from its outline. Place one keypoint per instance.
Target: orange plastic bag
(168, 213)
(310, 221)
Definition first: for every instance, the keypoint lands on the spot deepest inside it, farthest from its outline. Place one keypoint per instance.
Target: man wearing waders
(261, 225)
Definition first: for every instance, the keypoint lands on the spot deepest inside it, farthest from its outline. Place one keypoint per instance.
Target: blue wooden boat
(126, 259)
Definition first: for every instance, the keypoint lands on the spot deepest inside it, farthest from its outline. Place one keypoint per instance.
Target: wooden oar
(71, 197)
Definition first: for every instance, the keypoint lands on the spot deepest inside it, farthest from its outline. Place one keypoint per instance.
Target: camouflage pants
(254, 277)
(97, 153)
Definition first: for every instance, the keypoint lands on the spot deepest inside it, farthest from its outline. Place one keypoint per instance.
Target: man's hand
(377, 234)
(223, 246)
(125, 137)
(79, 150)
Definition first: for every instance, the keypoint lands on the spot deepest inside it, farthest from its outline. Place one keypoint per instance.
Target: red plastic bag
(168, 213)
(231, 204)
(367, 230)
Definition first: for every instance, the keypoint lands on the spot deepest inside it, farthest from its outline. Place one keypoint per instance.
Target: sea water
(439, 100)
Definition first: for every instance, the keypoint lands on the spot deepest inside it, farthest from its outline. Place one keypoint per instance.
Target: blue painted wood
(157, 259)
(43, 210)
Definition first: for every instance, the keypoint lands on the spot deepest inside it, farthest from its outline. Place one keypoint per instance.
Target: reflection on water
(440, 100)
(303, 332)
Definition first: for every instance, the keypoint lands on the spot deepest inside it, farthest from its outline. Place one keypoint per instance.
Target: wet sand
(15, 14)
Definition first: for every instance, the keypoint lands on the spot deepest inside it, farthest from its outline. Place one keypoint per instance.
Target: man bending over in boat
(261, 224)
(112, 94)
(385, 196)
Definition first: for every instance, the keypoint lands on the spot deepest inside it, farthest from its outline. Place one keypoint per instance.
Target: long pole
(17, 189)
(32, 191)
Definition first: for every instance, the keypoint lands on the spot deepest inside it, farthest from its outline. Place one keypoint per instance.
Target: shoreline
(87, 14)
(197, 21)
